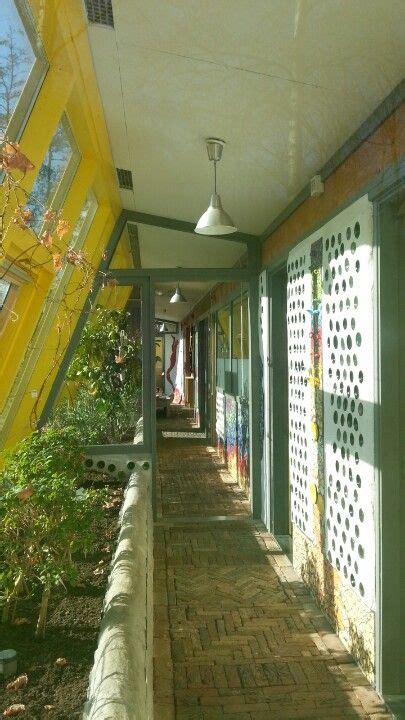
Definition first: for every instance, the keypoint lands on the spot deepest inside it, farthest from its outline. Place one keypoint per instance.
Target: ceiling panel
(167, 248)
(283, 82)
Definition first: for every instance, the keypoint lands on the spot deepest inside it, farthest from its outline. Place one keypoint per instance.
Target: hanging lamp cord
(215, 177)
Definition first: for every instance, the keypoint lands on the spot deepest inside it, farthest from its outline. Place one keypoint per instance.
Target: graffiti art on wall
(233, 436)
(243, 442)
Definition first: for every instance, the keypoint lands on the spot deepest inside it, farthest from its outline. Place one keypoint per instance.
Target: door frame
(390, 535)
(278, 471)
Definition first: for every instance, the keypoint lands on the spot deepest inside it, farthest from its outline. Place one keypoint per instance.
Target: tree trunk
(43, 611)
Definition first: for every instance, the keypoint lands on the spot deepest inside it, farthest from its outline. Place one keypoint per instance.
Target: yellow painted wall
(70, 87)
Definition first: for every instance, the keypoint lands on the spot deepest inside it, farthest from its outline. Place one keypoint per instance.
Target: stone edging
(121, 684)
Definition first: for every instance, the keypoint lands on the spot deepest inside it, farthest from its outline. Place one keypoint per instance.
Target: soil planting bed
(72, 629)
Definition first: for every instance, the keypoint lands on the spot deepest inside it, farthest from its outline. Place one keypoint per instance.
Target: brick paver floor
(237, 635)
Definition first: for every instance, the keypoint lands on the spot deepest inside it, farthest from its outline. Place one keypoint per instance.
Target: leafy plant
(104, 380)
(45, 517)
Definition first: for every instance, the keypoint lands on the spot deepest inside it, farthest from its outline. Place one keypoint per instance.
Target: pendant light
(215, 221)
(178, 297)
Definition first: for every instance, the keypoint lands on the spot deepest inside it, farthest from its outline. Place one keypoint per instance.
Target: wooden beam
(127, 276)
(134, 216)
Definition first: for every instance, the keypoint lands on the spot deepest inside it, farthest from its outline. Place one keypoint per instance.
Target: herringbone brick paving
(237, 635)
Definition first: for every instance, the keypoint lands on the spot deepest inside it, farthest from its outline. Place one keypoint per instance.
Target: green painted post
(125, 276)
(148, 375)
(255, 384)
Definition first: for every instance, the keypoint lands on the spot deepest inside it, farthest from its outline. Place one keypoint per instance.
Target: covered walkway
(237, 634)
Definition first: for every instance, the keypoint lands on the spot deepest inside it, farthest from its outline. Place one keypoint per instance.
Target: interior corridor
(237, 634)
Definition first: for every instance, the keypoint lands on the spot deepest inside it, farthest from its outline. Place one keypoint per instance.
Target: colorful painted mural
(232, 430)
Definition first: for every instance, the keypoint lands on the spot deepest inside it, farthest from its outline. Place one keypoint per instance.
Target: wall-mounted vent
(100, 12)
(125, 179)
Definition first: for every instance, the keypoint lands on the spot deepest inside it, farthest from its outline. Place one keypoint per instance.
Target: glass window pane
(50, 174)
(223, 347)
(240, 347)
(89, 204)
(159, 365)
(17, 59)
(102, 392)
(236, 345)
(4, 290)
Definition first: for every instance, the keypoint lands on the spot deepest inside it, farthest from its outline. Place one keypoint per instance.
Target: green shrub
(46, 452)
(45, 517)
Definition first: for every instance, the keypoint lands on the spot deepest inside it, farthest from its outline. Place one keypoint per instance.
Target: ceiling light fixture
(178, 297)
(215, 221)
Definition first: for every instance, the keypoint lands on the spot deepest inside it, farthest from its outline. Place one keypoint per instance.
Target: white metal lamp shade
(178, 297)
(215, 221)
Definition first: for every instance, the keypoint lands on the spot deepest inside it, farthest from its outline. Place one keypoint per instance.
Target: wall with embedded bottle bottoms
(332, 378)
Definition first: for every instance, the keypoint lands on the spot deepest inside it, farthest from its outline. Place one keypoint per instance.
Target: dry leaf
(73, 257)
(14, 159)
(119, 359)
(62, 228)
(18, 683)
(46, 239)
(22, 217)
(26, 492)
(57, 261)
(98, 571)
(21, 621)
(61, 662)
(14, 710)
(108, 505)
(49, 707)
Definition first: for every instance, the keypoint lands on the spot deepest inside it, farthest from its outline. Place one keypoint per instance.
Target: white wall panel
(343, 467)
(298, 332)
(349, 395)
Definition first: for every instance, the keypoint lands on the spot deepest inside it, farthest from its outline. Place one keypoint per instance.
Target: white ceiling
(192, 292)
(168, 248)
(283, 82)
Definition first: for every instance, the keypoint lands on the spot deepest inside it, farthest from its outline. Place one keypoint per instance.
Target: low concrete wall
(121, 681)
